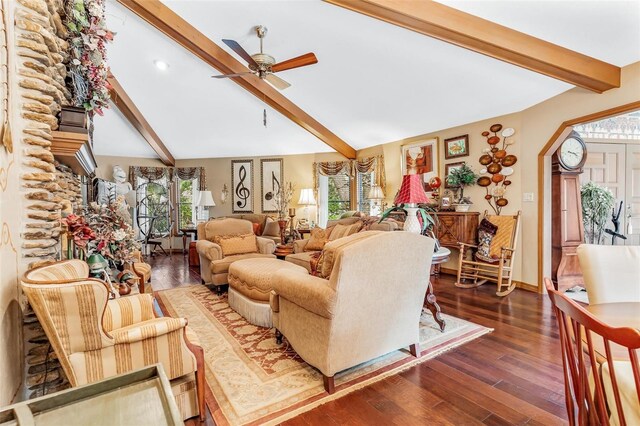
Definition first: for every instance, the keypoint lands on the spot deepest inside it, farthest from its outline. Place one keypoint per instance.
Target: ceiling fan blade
(231, 75)
(299, 61)
(240, 51)
(277, 82)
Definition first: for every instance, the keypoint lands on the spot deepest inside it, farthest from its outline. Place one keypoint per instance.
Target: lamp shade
(306, 197)
(205, 199)
(411, 191)
(375, 193)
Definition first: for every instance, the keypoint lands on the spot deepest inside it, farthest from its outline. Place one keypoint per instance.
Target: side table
(283, 250)
(187, 232)
(439, 257)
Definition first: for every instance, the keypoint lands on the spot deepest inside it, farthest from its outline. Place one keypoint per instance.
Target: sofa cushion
(333, 248)
(253, 277)
(319, 237)
(221, 266)
(237, 244)
(301, 259)
(223, 226)
(340, 231)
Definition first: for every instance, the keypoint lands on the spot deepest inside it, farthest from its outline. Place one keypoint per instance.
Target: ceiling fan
(264, 65)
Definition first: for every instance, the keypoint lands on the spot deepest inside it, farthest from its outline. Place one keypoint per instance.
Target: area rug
(252, 380)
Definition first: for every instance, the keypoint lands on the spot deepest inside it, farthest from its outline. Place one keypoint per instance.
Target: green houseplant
(597, 203)
(462, 177)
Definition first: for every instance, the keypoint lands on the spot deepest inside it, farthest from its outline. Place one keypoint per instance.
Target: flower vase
(282, 223)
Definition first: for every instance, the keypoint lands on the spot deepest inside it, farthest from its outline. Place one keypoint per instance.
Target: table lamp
(205, 200)
(307, 199)
(376, 195)
(411, 193)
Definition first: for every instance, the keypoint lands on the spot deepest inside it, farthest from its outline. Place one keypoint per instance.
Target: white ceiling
(374, 82)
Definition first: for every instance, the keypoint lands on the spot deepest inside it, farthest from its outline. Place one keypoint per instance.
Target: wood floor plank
(510, 376)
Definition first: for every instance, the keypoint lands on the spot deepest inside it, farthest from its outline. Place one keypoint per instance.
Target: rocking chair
(473, 272)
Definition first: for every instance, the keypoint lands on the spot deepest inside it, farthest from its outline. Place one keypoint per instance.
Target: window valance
(157, 173)
(364, 165)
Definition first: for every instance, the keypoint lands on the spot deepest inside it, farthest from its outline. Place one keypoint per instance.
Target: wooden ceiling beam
(183, 33)
(488, 38)
(124, 103)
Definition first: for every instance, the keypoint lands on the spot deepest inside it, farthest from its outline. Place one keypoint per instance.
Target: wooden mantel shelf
(73, 149)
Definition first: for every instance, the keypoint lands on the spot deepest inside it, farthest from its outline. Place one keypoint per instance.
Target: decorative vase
(282, 223)
(462, 207)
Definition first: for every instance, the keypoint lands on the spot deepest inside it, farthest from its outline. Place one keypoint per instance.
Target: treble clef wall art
(242, 184)
(271, 177)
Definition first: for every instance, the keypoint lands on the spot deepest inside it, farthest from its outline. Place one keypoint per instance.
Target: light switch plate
(527, 197)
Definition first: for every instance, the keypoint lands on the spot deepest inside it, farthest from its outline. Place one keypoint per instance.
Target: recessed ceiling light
(162, 65)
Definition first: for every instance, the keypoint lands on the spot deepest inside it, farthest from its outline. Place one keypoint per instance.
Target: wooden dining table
(622, 314)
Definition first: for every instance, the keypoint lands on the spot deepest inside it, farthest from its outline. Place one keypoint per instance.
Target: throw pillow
(340, 230)
(271, 229)
(256, 228)
(486, 232)
(314, 263)
(237, 244)
(318, 239)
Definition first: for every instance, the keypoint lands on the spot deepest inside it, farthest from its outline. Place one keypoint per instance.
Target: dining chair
(611, 273)
(599, 390)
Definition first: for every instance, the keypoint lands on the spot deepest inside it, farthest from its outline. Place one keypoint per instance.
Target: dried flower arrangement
(497, 166)
(283, 197)
(88, 66)
(106, 230)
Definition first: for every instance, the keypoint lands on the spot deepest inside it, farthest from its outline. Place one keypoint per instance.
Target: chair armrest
(138, 308)
(308, 292)
(299, 245)
(265, 245)
(147, 329)
(463, 245)
(211, 251)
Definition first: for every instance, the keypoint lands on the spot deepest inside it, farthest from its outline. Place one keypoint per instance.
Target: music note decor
(242, 186)
(271, 171)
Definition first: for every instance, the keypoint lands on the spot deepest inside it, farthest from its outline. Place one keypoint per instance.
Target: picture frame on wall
(456, 147)
(447, 170)
(420, 157)
(242, 186)
(271, 175)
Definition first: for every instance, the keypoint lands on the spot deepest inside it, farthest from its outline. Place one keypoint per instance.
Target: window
(186, 195)
(334, 196)
(153, 212)
(365, 181)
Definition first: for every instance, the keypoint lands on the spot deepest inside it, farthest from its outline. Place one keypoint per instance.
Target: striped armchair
(95, 337)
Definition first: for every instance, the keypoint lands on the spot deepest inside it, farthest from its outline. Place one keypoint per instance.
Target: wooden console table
(455, 227)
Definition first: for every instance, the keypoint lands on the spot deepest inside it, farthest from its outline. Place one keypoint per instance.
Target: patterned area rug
(253, 380)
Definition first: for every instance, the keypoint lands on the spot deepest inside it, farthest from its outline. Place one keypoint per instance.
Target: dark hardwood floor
(512, 376)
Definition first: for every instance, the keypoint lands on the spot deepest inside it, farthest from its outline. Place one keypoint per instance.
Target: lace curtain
(156, 173)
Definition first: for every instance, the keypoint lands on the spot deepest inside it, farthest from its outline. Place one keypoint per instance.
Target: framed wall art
(271, 173)
(447, 170)
(242, 186)
(420, 157)
(456, 147)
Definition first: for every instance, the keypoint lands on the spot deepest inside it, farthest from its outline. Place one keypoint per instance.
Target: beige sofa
(302, 258)
(213, 265)
(370, 305)
(262, 220)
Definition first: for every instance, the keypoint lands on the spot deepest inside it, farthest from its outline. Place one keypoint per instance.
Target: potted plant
(597, 203)
(462, 177)
(427, 221)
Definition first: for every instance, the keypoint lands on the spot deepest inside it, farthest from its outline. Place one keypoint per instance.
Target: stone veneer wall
(41, 51)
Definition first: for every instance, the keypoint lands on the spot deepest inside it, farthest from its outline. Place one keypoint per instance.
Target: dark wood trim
(124, 103)
(183, 33)
(488, 38)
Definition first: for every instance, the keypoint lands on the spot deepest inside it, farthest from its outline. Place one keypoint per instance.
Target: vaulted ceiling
(374, 82)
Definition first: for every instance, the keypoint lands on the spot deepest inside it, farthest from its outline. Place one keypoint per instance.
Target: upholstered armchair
(95, 337)
(142, 271)
(611, 273)
(214, 264)
(369, 306)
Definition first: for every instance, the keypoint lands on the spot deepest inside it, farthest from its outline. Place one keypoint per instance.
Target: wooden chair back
(507, 234)
(599, 389)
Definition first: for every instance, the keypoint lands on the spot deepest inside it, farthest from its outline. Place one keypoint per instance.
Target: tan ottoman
(250, 286)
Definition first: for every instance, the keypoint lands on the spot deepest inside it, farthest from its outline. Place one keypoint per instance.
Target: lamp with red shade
(411, 193)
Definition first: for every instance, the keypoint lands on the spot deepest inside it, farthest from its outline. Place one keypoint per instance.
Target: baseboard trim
(519, 284)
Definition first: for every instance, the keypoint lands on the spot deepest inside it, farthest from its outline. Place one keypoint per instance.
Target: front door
(632, 213)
